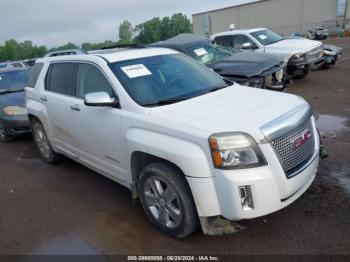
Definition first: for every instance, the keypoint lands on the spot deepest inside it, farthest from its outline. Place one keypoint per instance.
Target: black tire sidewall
(172, 176)
(7, 138)
(53, 156)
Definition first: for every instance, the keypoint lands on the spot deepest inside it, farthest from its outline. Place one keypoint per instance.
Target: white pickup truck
(303, 55)
(195, 148)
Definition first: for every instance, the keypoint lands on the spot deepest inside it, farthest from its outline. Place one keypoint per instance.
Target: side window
(224, 40)
(90, 79)
(34, 74)
(17, 65)
(240, 40)
(60, 78)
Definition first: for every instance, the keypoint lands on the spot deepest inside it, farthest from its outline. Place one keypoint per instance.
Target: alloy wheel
(163, 202)
(42, 141)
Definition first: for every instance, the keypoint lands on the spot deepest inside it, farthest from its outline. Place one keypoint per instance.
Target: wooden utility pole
(345, 13)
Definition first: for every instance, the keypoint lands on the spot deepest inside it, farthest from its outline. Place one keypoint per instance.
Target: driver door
(96, 129)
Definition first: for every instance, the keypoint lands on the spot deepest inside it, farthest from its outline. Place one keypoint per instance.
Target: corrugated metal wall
(283, 16)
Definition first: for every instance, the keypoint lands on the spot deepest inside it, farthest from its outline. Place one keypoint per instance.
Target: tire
(4, 136)
(167, 200)
(43, 144)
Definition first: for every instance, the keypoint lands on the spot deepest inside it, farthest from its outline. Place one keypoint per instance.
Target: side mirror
(100, 99)
(247, 46)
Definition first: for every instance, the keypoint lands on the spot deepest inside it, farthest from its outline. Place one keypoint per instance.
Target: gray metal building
(283, 16)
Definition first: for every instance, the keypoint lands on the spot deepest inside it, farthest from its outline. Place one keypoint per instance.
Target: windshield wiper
(7, 91)
(163, 102)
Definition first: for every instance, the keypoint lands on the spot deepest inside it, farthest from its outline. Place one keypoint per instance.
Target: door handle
(43, 98)
(75, 108)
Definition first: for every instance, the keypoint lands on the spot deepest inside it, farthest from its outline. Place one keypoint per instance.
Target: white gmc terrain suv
(303, 55)
(196, 149)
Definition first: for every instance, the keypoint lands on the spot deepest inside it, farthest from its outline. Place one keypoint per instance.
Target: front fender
(188, 156)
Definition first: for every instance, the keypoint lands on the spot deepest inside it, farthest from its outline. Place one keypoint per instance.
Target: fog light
(246, 198)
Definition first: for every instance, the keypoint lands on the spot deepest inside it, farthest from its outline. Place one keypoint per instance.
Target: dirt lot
(68, 209)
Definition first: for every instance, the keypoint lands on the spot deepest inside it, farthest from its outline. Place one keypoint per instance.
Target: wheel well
(33, 118)
(139, 160)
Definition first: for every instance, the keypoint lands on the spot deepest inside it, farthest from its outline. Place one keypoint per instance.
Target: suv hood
(233, 109)
(289, 47)
(12, 99)
(247, 64)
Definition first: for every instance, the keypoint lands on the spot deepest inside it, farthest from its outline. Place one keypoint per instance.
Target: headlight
(256, 82)
(300, 57)
(279, 75)
(15, 110)
(234, 151)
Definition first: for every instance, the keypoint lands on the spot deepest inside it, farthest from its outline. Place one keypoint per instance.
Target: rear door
(58, 98)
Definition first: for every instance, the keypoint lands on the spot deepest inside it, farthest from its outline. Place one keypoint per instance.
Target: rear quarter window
(34, 74)
(60, 78)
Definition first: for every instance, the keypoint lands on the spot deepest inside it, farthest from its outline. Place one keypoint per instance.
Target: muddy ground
(69, 209)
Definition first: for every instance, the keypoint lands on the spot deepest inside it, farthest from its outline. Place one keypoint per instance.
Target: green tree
(157, 29)
(11, 50)
(180, 24)
(125, 32)
(149, 31)
(165, 31)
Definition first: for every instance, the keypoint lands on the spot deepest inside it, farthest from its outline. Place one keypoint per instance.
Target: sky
(56, 22)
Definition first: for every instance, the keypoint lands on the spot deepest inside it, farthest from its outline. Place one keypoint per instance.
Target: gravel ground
(69, 209)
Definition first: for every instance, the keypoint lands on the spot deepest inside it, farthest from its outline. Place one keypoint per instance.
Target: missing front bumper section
(217, 225)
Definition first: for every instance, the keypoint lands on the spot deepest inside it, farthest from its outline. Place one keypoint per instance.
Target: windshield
(13, 81)
(266, 37)
(150, 80)
(208, 54)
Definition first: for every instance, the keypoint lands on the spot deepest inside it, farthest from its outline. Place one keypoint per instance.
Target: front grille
(293, 158)
(315, 53)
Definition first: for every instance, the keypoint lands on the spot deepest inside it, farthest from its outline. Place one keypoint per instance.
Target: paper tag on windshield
(134, 71)
(262, 37)
(200, 52)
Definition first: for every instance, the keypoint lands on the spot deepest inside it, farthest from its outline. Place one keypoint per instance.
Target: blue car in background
(13, 114)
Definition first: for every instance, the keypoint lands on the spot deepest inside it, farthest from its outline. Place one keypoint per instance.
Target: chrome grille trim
(282, 131)
(287, 122)
(292, 159)
(315, 53)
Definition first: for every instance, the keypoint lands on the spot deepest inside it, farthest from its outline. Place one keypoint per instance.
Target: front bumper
(269, 186)
(330, 59)
(16, 125)
(266, 193)
(295, 69)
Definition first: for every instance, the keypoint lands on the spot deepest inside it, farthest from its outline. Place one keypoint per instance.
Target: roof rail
(66, 52)
(123, 46)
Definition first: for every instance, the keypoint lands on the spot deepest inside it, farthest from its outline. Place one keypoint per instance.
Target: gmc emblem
(301, 140)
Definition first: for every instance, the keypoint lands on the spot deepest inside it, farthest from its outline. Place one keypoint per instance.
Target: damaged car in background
(253, 70)
(303, 55)
(331, 54)
(318, 33)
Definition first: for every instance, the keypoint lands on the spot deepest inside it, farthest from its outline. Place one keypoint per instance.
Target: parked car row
(254, 70)
(197, 147)
(303, 55)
